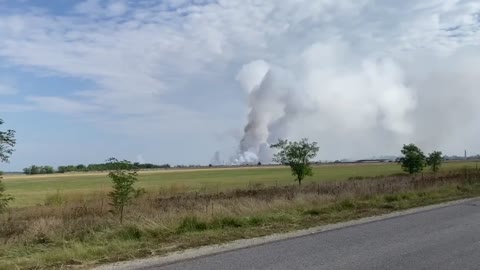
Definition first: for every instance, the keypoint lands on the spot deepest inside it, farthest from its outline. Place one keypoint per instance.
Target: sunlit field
(33, 190)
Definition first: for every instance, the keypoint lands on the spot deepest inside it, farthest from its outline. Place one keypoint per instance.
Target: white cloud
(90, 7)
(14, 108)
(117, 8)
(60, 105)
(6, 89)
(102, 8)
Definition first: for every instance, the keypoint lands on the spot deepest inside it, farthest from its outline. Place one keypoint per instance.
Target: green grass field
(32, 190)
(70, 232)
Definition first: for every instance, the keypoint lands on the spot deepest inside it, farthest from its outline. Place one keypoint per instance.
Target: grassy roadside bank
(81, 234)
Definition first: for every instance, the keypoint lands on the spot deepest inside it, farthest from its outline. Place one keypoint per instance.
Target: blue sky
(158, 81)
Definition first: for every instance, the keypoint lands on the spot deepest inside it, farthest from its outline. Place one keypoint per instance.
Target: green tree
(123, 176)
(27, 171)
(434, 161)
(35, 169)
(7, 144)
(61, 169)
(4, 198)
(48, 169)
(413, 159)
(297, 155)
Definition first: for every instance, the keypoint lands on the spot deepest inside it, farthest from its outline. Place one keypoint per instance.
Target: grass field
(33, 190)
(79, 234)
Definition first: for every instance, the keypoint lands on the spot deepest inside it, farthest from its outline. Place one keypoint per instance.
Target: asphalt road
(445, 238)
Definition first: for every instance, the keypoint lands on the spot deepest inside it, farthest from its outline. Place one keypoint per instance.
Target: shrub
(347, 204)
(254, 221)
(312, 212)
(130, 233)
(227, 222)
(191, 224)
(391, 198)
(56, 199)
(4, 198)
(124, 176)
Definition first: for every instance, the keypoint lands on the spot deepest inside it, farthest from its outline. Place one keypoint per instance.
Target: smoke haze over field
(359, 104)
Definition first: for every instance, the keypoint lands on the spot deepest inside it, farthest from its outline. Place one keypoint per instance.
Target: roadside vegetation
(71, 231)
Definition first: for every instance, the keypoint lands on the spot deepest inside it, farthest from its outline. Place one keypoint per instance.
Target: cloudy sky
(162, 81)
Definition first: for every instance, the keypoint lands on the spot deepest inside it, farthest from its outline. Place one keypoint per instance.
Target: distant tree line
(475, 157)
(34, 169)
(88, 168)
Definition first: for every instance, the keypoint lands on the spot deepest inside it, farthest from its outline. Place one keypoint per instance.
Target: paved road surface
(446, 238)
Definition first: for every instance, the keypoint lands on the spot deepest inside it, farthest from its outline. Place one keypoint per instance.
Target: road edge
(194, 253)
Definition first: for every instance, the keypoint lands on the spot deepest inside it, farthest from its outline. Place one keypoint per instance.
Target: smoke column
(216, 159)
(357, 104)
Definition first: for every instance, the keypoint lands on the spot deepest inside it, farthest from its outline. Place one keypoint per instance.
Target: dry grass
(71, 230)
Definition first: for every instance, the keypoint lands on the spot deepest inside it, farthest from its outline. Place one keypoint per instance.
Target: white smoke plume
(246, 157)
(216, 159)
(357, 104)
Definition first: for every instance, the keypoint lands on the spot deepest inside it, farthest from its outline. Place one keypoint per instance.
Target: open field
(33, 190)
(72, 233)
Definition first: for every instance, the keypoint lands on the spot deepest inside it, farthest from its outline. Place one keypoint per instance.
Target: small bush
(312, 212)
(255, 221)
(4, 198)
(227, 222)
(191, 224)
(41, 238)
(123, 177)
(421, 194)
(56, 199)
(130, 233)
(464, 189)
(391, 198)
(388, 206)
(156, 232)
(42, 230)
(346, 204)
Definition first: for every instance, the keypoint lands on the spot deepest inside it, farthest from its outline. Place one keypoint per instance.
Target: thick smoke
(358, 105)
(265, 107)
